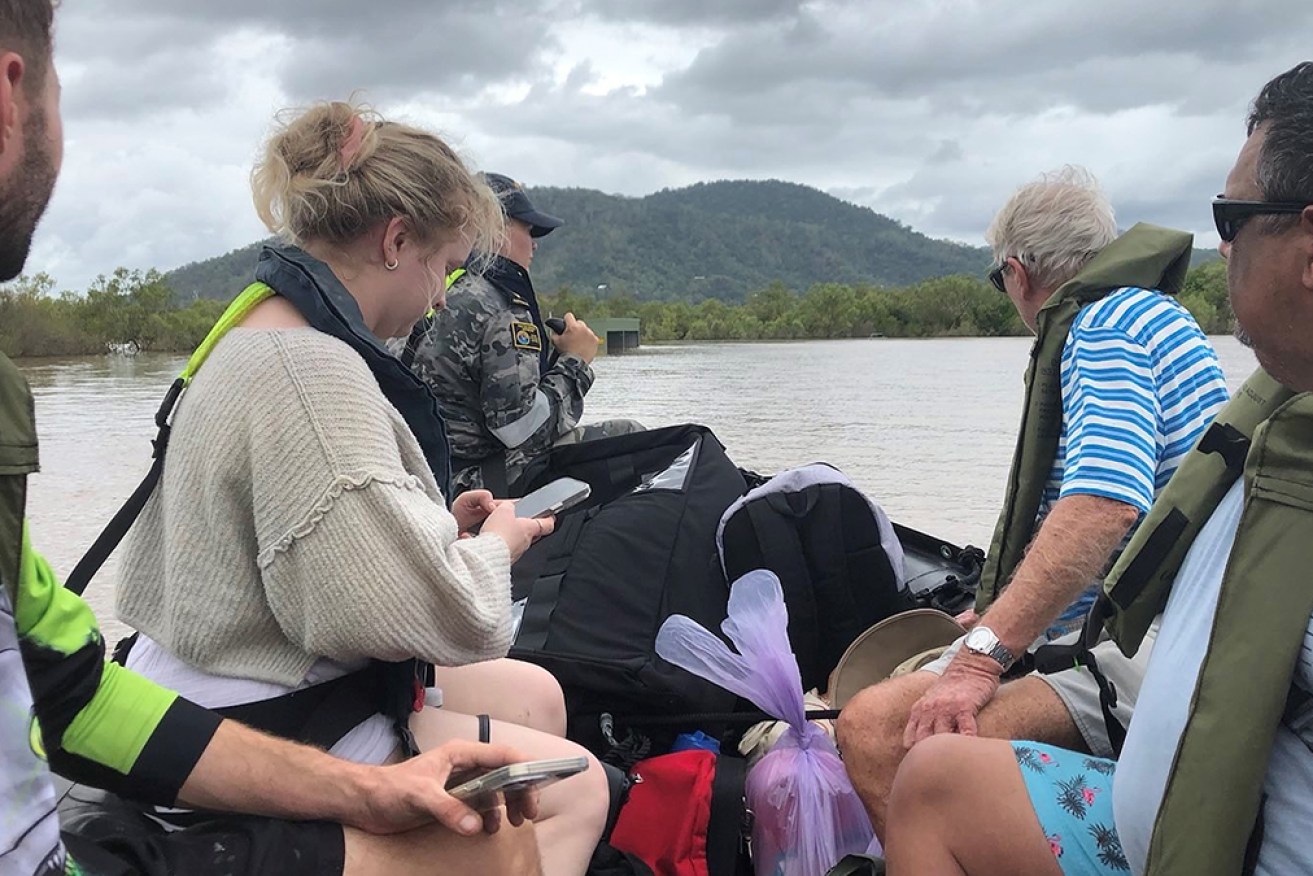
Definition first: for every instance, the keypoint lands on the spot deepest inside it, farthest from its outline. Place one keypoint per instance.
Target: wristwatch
(982, 640)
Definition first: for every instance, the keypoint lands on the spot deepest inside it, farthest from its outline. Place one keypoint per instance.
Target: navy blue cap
(517, 205)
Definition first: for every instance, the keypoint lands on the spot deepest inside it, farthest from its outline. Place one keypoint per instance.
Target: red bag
(685, 814)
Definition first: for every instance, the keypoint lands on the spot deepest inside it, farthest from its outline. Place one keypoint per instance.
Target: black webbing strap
(118, 526)
(1058, 658)
(485, 728)
(417, 335)
(558, 550)
(726, 828)
(319, 715)
(1227, 442)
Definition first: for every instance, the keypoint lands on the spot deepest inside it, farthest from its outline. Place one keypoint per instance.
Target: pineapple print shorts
(1072, 796)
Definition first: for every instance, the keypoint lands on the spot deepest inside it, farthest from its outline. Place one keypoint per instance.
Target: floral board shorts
(1072, 796)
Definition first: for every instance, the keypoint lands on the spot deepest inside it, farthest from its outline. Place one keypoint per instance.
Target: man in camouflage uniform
(508, 389)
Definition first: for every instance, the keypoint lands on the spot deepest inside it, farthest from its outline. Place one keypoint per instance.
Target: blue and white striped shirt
(1140, 382)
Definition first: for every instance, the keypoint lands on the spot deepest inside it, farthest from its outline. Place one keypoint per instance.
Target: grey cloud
(1046, 54)
(146, 56)
(693, 12)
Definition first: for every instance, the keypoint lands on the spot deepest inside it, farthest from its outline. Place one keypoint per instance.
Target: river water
(925, 426)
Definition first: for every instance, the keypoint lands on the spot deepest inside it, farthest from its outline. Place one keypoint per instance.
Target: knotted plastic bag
(807, 814)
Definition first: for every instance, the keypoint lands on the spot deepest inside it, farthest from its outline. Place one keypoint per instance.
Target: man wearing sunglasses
(1216, 774)
(1121, 385)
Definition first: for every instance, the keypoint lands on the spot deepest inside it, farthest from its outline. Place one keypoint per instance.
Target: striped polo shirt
(1140, 382)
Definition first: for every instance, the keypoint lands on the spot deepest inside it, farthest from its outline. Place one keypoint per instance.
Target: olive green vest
(1214, 792)
(18, 459)
(1146, 256)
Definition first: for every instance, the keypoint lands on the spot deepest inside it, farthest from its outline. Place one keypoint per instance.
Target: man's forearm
(246, 771)
(1071, 549)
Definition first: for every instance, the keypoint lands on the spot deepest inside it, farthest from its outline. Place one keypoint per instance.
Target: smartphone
(559, 495)
(482, 792)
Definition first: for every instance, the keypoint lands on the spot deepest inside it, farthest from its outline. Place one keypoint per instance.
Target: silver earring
(392, 265)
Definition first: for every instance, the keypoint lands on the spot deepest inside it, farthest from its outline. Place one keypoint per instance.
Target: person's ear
(1021, 277)
(396, 236)
(1306, 247)
(11, 85)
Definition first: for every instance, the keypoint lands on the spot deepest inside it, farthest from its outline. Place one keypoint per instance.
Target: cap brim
(539, 223)
(878, 651)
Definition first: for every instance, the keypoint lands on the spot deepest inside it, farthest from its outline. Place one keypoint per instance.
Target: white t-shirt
(1163, 707)
(370, 742)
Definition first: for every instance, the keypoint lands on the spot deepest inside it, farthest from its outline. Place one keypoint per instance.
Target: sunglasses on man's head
(1229, 215)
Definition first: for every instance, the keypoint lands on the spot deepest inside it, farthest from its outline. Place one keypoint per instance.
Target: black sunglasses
(996, 276)
(1229, 215)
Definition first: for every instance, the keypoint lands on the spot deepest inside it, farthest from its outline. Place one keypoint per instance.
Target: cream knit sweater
(297, 519)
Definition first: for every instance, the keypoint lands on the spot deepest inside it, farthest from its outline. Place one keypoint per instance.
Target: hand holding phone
(560, 495)
(486, 791)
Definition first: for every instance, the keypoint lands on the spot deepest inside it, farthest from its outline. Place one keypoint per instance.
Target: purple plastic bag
(807, 814)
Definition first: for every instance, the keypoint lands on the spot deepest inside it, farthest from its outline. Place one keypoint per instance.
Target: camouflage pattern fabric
(486, 359)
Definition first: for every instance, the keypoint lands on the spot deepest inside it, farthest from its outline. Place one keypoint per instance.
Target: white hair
(1055, 225)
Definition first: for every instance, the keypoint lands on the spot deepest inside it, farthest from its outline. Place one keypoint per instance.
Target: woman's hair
(1055, 225)
(334, 171)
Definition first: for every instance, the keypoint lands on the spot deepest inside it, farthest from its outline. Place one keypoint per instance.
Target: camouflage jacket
(489, 361)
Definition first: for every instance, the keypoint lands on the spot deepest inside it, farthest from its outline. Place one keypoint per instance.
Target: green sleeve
(101, 724)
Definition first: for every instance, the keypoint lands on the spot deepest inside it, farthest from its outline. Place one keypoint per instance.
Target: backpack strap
(545, 592)
(780, 549)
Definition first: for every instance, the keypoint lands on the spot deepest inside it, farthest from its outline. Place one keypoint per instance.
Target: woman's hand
(472, 508)
(517, 532)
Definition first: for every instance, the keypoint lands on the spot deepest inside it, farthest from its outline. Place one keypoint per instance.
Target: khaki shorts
(1077, 690)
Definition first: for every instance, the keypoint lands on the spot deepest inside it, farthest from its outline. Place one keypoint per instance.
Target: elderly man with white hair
(1120, 385)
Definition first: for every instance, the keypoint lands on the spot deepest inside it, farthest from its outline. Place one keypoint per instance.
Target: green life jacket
(1148, 257)
(1265, 434)
(18, 459)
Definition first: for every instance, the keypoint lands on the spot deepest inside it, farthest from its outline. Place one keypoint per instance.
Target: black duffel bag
(641, 548)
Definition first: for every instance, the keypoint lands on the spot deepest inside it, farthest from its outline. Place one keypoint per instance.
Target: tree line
(140, 309)
(955, 306)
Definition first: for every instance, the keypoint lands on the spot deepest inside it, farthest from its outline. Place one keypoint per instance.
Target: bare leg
(508, 690)
(948, 788)
(870, 730)
(572, 813)
(1029, 709)
(437, 850)
(870, 736)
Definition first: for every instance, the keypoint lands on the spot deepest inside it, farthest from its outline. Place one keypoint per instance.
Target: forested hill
(726, 239)
(712, 240)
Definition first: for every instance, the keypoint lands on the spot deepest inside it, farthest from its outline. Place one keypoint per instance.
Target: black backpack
(640, 549)
(834, 552)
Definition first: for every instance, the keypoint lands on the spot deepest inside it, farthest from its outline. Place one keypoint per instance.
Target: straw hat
(874, 655)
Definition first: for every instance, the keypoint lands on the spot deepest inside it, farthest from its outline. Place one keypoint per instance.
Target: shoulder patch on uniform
(525, 336)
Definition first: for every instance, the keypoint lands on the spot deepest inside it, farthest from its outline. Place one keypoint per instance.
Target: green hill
(711, 240)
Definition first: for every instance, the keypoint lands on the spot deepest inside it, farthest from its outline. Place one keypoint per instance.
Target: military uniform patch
(525, 336)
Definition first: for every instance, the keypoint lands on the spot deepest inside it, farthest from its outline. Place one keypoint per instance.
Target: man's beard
(24, 196)
(1242, 336)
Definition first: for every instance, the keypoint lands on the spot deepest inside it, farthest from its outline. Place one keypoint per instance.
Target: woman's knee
(543, 698)
(933, 772)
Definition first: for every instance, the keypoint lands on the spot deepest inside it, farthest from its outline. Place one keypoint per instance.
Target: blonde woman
(300, 533)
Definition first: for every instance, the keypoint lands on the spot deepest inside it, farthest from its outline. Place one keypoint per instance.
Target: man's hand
(953, 701)
(577, 339)
(968, 618)
(471, 508)
(413, 793)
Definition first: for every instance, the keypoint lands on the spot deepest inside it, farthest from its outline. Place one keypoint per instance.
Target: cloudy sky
(930, 111)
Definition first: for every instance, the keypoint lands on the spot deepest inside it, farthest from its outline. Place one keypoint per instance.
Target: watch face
(981, 639)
